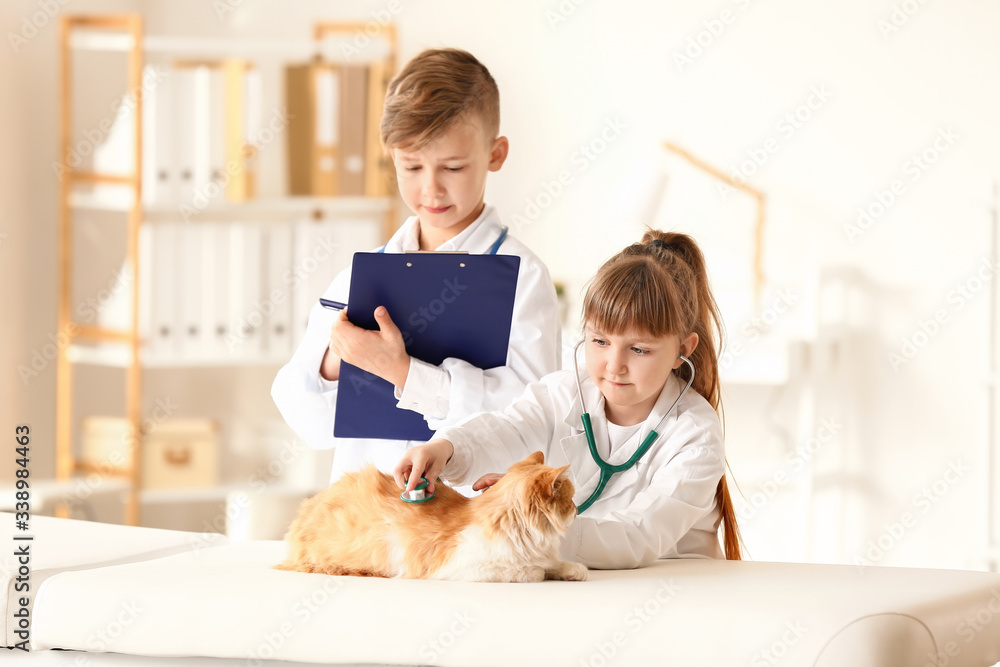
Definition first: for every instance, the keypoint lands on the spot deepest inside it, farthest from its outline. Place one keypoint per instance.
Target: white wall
(13, 242)
(563, 82)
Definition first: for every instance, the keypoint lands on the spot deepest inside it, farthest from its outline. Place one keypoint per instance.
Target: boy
(440, 126)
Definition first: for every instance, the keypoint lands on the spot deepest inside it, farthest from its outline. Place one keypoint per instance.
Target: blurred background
(837, 162)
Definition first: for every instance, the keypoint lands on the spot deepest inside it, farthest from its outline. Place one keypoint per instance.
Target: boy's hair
(435, 90)
(660, 286)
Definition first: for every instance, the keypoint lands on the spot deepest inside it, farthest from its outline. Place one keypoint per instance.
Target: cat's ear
(537, 457)
(532, 459)
(557, 474)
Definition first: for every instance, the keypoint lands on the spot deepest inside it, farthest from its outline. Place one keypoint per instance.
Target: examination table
(139, 596)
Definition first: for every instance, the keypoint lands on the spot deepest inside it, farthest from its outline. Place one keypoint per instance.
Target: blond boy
(440, 126)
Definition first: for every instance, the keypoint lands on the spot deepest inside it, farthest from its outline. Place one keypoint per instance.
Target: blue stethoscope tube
(607, 470)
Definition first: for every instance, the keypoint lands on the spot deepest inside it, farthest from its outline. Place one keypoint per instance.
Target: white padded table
(227, 602)
(61, 545)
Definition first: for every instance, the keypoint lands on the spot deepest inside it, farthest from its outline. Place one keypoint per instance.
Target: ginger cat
(359, 526)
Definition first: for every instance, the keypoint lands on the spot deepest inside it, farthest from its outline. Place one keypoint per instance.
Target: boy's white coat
(444, 394)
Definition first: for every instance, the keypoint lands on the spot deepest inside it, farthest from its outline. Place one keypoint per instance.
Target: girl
(648, 309)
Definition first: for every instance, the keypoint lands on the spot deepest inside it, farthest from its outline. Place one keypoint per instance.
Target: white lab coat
(662, 507)
(443, 394)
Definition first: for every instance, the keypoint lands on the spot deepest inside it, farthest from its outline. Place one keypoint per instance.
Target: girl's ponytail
(707, 323)
(708, 320)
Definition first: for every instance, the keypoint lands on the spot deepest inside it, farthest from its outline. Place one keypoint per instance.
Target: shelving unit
(129, 28)
(81, 191)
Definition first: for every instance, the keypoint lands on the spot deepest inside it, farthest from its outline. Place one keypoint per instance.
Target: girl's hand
(425, 461)
(487, 480)
(382, 352)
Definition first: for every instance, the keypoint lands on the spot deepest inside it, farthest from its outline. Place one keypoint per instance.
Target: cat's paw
(569, 572)
(531, 575)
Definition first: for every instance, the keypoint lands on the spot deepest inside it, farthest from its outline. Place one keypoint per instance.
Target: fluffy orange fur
(359, 526)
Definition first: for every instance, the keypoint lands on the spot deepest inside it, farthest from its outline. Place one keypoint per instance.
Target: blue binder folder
(445, 305)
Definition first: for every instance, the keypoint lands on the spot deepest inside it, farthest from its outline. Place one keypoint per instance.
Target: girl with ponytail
(647, 307)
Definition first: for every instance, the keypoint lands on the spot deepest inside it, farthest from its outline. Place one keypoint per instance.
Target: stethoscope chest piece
(417, 495)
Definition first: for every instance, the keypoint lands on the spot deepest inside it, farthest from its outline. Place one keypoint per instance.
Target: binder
(215, 302)
(243, 107)
(252, 304)
(277, 295)
(186, 132)
(158, 177)
(380, 174)
(246, 307)
(354, 102)
(188, 264)
(313, 100)
(445, 305)
(165, 329)
(308, 275)
(216, 139)
(147, 268)
(200, 141)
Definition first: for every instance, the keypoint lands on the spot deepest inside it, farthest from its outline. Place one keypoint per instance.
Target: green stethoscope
(607, 470)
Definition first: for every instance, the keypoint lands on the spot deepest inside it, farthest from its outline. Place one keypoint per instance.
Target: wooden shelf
(331, 48)
(118, 356)
(114, 202)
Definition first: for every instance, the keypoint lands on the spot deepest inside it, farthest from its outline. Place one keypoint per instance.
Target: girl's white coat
(662, 507)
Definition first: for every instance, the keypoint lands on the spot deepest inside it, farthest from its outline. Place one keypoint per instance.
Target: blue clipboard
(445, 305)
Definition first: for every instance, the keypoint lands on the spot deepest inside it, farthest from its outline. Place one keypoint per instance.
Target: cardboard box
(178, 453)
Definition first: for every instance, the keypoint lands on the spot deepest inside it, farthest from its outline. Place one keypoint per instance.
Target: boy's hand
(381, 352)
(487, 480)
(329, 367)
(425, 461)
